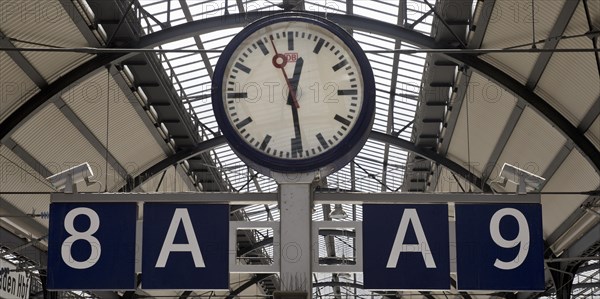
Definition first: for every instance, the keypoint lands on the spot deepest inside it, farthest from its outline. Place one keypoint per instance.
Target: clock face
(292, 91)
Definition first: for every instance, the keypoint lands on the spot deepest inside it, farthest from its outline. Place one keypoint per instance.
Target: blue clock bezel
(336, 157)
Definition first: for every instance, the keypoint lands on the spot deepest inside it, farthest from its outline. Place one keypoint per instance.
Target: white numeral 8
(521, 240)
(77, 235)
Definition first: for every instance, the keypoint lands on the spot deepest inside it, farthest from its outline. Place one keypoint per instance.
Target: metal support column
(295, 205)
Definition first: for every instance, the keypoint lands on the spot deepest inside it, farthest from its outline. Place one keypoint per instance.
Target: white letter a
(180, 215)
(410, 215)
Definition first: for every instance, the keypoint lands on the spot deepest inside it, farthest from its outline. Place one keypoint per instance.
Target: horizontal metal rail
(319, 198)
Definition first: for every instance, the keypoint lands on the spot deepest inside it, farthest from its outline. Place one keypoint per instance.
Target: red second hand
(281, 66)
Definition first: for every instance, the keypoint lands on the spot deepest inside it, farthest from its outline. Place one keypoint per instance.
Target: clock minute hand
(296, 145)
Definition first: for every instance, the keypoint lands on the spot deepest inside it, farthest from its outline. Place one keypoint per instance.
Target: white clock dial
(292, 90)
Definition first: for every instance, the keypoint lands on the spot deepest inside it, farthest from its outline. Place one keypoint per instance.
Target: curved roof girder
(371, 25)
(432, 156)
(70, 79)
(178, 157)
(564, 126)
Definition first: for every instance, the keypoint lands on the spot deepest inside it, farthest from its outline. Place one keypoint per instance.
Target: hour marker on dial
(262, 46)
(342, 120)
(318, 46)
(340, 65)
(265, 142)
(347, 92)
(290, 37)
(296, 147)
(237, 95)
(243, 123)
(322, 141)
(243, 68)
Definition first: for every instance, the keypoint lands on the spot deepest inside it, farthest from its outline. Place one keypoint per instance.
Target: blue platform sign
(406, 247)
(91, 246)
(185, 246)
(499, 247)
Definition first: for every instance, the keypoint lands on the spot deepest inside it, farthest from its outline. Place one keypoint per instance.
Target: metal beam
(392, 99)
(22, 62)
(560, 122)
(593, 37)
(442, 20)
(80, 22)
(188, 16)
(558, 160)
(137, 106)
(337, 284)
(262, 243)
(254, 280)
(34, 228)
(33, 104)
(589, 285)
(566, 225)
(178, 157)
(12, 242)
(560, 25)
(27, 158)
(415, 198)
(595, 266)
(451, 120)
(433, 156)
(485, 16)
(89, 136)
(456, 106)
(240, 6)
(337, 232)
(513, 119)
(319, 198)
(590, 117)
(331, 258)
(585, 243)
(371, 25)
(106, 294)
(355, 285)
(37, 78)
(235, 20)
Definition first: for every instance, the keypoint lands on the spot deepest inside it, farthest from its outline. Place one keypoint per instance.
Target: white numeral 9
(521, 240)
(77, 235)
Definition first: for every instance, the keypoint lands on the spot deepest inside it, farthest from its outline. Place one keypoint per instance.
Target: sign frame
(234, 267)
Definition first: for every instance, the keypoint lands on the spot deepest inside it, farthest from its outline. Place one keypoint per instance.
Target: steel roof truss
(566, 14)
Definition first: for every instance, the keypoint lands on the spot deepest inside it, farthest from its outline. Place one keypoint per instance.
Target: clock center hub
(279, 61)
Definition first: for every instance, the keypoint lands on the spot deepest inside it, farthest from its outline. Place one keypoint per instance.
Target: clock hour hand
(292, 98)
